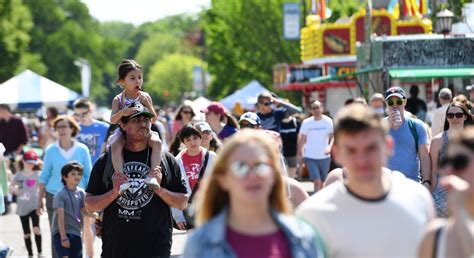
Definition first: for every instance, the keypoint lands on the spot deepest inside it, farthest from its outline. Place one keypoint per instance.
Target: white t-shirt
(317, 136)
(351, 226)
(438, 120)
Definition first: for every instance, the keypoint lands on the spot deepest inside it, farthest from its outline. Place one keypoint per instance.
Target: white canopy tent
(198, 105)
(246, 96)
(30, 91)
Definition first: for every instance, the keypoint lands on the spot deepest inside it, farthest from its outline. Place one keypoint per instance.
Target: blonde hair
(212, 198)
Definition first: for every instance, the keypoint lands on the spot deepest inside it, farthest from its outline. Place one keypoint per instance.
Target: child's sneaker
(152, 182)
(124, 187)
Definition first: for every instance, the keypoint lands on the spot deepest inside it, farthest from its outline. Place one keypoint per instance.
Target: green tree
(155, 47)
(15, 24)
(244, 39)
(344, 8)
(176, 25)
(170, 77)
(68, 33)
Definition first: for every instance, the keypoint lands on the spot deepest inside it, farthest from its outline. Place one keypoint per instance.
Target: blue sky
(140, 11)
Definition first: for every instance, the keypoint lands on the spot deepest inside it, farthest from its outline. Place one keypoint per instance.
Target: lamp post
(444, 21)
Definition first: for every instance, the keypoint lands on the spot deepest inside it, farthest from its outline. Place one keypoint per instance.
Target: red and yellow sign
(323, 40)
(336, 41)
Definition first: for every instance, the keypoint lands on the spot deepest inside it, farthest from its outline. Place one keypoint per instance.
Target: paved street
(12, 234)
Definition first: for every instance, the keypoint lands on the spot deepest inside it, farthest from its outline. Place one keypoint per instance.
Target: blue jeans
(75, 249)
(317, 168)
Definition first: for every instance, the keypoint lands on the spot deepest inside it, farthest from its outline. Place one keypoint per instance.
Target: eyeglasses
(452, 115)
(62, 127)
(458, 162)
(241, 169)
(399, 102)
(81, 115)
(265, 103)
(315, 107)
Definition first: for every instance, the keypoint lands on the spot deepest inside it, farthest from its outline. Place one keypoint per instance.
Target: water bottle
(397, 117)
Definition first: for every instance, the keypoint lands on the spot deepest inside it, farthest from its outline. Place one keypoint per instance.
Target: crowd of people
(381, 177)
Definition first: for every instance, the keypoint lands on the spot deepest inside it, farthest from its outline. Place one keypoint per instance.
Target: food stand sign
(336, 41)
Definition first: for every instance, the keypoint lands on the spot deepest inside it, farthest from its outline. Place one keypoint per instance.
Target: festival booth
(429, 61)
(328, 51)
(244, 98)
(29, 91)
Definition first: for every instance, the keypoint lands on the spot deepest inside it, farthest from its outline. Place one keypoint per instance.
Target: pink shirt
(274, 245)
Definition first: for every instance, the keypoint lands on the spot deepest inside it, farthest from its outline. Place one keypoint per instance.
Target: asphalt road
(12, 234)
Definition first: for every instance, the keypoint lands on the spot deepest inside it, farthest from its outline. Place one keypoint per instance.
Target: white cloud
(140, 11)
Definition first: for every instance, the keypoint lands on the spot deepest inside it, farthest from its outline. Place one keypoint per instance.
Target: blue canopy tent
(30, 91)
(246, 96)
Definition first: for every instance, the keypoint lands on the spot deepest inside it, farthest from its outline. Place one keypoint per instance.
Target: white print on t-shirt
(192, 171)
(138, 195)
(90, 140)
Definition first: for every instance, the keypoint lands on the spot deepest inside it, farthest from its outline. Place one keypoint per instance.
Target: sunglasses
(457, 162)
(399, 102)
(265, 103)
(452, 115)
(186, 112)
(241, 169)
(82, 115)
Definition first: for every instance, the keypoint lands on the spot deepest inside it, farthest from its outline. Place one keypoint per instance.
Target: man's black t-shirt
(289, 136)
(272, 120)
(138, 223)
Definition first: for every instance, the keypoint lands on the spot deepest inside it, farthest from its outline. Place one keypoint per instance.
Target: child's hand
(65, 243)
(117, 180)
(129, 111)
(181, 225)
(40, 208)
(143, 99)
(156, 173)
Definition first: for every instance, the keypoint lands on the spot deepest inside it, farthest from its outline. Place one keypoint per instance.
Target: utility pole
(303, 3)
(367, 44)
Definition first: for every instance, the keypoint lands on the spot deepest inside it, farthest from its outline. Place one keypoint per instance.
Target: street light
(444, 21)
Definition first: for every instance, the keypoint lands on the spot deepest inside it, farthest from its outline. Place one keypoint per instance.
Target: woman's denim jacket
(209, 240)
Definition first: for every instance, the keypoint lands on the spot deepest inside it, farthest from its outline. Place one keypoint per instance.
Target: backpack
(414, 133)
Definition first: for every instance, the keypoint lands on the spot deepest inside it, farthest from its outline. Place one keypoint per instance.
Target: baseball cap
(445, 93)
(395, 91)
(215, 107)
(203, 126)
(470, 87)
(30, 157)
(250, 117)
(141, 110)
